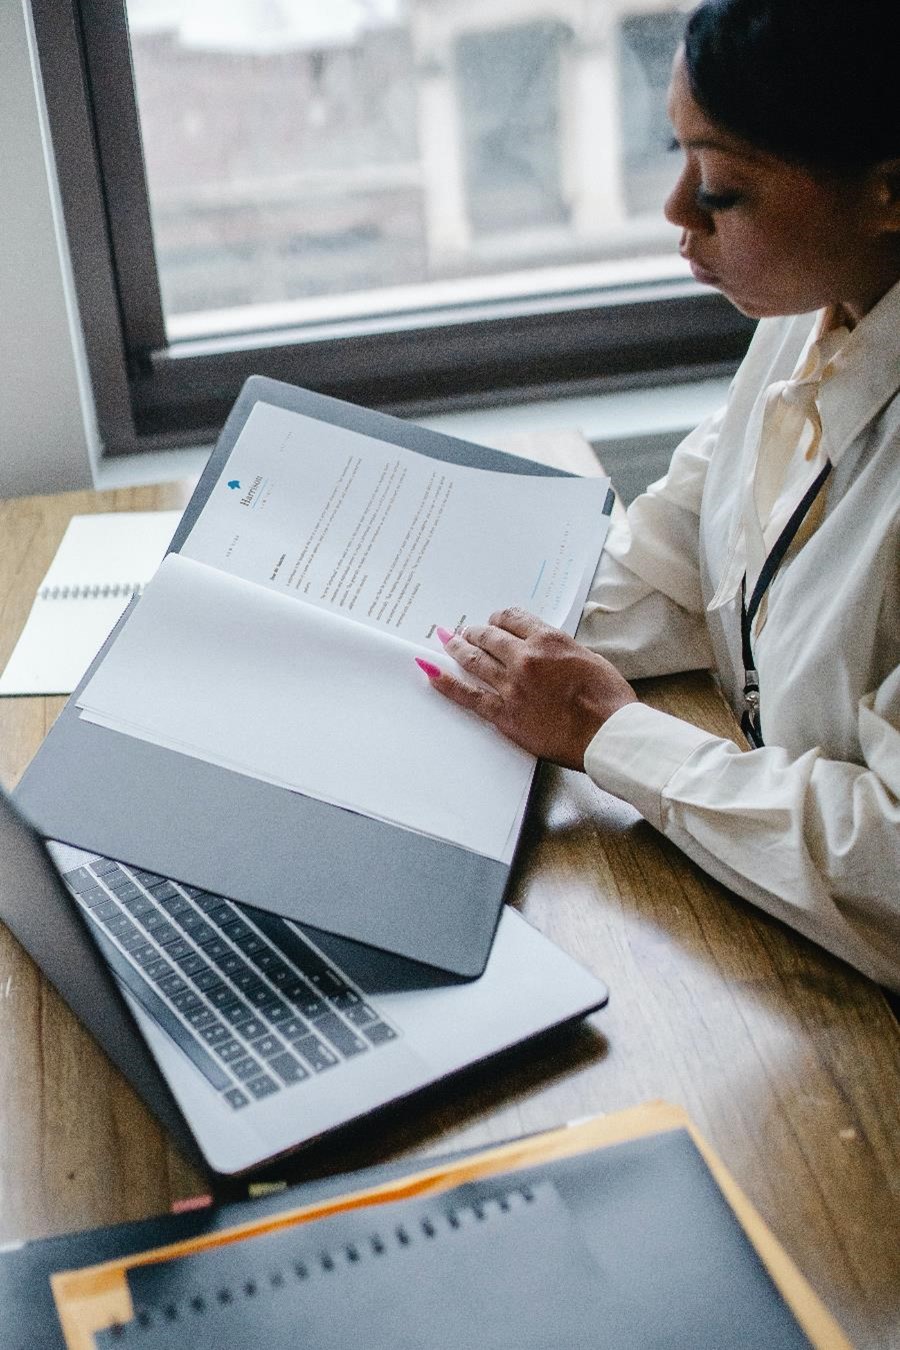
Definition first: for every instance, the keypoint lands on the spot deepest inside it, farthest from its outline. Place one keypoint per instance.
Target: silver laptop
(263, 1035)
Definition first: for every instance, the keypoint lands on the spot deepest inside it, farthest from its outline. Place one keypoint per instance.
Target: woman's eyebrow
(710, 143)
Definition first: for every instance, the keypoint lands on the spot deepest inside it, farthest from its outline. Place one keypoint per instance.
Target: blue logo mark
(234, 483)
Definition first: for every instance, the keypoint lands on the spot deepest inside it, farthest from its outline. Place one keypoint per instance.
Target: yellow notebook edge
(94, 1298)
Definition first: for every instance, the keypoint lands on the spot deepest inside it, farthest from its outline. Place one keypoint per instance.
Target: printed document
(280, 642)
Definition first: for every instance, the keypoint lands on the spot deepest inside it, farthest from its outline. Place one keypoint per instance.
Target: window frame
(150, 393)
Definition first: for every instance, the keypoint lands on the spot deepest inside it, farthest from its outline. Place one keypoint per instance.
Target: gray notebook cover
(632, 1246)
(345, 873)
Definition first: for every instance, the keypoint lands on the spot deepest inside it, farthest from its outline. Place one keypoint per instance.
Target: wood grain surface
(785, 1058)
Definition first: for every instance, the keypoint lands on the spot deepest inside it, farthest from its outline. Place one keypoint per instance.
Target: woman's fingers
(476, 698)
(516, 621)
(481, 651)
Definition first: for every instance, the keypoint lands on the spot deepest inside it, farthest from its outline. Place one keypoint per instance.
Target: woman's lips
(700, 274)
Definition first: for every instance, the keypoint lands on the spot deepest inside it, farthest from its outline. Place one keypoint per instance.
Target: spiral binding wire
(428, 1228)
(92, 591)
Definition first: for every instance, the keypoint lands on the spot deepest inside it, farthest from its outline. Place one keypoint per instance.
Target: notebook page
(243, 677)
(101, 560)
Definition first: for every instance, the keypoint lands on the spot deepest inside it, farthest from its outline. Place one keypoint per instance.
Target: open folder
(256, 724)
(624, 1230)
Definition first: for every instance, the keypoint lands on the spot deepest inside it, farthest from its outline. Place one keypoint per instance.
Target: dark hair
(814, 81)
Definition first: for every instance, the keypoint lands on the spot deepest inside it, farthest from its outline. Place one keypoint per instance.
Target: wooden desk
(786, 1059)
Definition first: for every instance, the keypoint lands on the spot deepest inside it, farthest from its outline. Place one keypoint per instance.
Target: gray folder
(420, 898)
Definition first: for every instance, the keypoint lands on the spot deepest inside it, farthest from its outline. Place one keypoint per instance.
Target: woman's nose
(680, 207)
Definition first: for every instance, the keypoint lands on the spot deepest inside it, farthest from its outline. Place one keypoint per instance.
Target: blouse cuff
(636, 752)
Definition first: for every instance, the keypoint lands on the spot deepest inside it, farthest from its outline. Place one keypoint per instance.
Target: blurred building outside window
(315, 160)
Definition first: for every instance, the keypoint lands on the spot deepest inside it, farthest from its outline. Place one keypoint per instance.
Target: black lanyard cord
(750, 721)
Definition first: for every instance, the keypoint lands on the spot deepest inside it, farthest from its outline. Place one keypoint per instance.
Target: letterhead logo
(253, 492)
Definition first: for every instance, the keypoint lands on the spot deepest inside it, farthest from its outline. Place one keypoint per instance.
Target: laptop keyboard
(255, 1006)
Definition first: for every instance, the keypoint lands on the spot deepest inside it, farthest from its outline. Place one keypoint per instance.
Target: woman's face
(765, 232)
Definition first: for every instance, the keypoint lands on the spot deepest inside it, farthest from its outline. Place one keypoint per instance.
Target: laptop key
(289, 1069)
(246, 1067)
(92, 896)
(80, 880)
(163, 891)
(191, 964)
(262, 997)
(339, 1034)
(261, 1087)
(219, 914)
(175, 905)
(267, 1046)
(236, 929)
(230, 1050)
(251, 1028)
(235, 1098)
(239, 1014)
(172, 984)
(215, 1034)
(231, 964)
(164, 933)
(133, 940)
(380, 1033)
(203, 899)
(185, 999)
(208, 979)
(203, 934)
(215, 948)
(155, 969)
(222, 998)
(119, 923)
(250, 943)
(293, 1027)
(311, 1005)
(315, 1053)
(137, 905)
(346, 999)
(155, 920)
(124, 888)
(103, 865)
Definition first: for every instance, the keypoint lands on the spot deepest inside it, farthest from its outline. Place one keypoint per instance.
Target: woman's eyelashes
(706, 200)
(715, 201)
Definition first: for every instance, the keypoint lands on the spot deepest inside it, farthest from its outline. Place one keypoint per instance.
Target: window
(399, 202)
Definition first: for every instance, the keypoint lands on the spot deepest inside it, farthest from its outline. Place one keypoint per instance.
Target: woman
(787, 116)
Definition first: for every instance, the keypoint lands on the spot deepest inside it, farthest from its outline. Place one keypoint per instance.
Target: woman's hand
(536, 685)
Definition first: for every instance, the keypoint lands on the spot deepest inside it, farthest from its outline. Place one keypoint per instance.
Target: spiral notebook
(624, 1230)
(102, 561)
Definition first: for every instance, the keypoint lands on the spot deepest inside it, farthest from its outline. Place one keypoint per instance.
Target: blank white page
(241, 676)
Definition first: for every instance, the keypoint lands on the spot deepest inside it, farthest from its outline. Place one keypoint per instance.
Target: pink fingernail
(432, 671)
(444, 634)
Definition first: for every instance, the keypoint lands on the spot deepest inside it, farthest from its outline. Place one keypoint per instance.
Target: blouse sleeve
(645, 610)
(812, 841)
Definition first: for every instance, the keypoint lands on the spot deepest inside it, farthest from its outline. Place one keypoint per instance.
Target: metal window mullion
(110, 74)
(63, 76)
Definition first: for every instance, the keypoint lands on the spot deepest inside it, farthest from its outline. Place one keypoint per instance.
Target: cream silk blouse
(808, 826)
